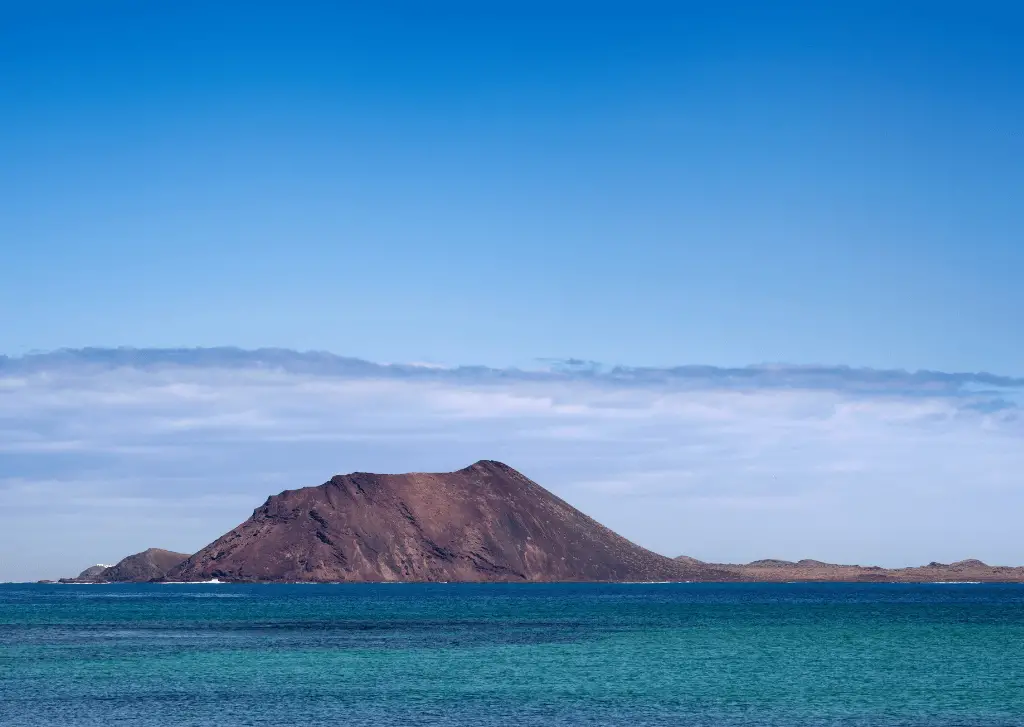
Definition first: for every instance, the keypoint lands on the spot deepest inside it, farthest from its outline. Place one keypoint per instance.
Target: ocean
(714, 655)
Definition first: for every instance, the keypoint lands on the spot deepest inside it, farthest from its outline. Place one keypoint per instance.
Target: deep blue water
(731, 655)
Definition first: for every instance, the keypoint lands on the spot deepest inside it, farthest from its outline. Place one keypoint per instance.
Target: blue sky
(652, 185)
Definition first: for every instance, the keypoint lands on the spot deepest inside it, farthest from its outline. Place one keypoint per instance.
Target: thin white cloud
(820, 462)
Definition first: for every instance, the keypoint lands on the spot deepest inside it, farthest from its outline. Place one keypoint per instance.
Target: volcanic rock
(688, 560)
(89, 575)
(148, 565)
(486, 522)
(91, 572)
(970, 563)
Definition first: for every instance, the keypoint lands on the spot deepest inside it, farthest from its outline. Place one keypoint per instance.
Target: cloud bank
(108, 451)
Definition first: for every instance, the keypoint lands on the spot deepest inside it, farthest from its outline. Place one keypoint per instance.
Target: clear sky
(722, 182)
(716, 184)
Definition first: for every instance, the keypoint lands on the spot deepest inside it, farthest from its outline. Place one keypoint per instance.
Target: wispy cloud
(131, 448)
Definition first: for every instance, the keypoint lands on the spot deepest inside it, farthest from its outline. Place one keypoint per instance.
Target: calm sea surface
(483, 655)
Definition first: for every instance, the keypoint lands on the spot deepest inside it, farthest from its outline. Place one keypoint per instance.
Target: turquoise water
(675, 654)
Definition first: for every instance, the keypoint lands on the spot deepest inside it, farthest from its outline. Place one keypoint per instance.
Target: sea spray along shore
(485, 523)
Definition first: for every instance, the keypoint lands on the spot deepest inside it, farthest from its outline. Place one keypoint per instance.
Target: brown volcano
(486, 522)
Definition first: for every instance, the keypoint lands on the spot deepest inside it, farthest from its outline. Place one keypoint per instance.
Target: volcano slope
(486, 522)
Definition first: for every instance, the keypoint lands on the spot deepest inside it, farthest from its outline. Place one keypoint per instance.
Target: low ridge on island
(784, 571)
(486, 522)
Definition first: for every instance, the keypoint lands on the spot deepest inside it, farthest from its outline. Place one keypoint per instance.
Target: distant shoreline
(525, 583)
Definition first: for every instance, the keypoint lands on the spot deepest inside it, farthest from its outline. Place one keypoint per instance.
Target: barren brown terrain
(148, 565)
(783, 571)
(486, 522)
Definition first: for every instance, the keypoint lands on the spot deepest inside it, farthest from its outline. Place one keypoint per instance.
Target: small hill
(486, 522)
(969, 564)
(689, 561)
(91, 572)
(148, 565)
